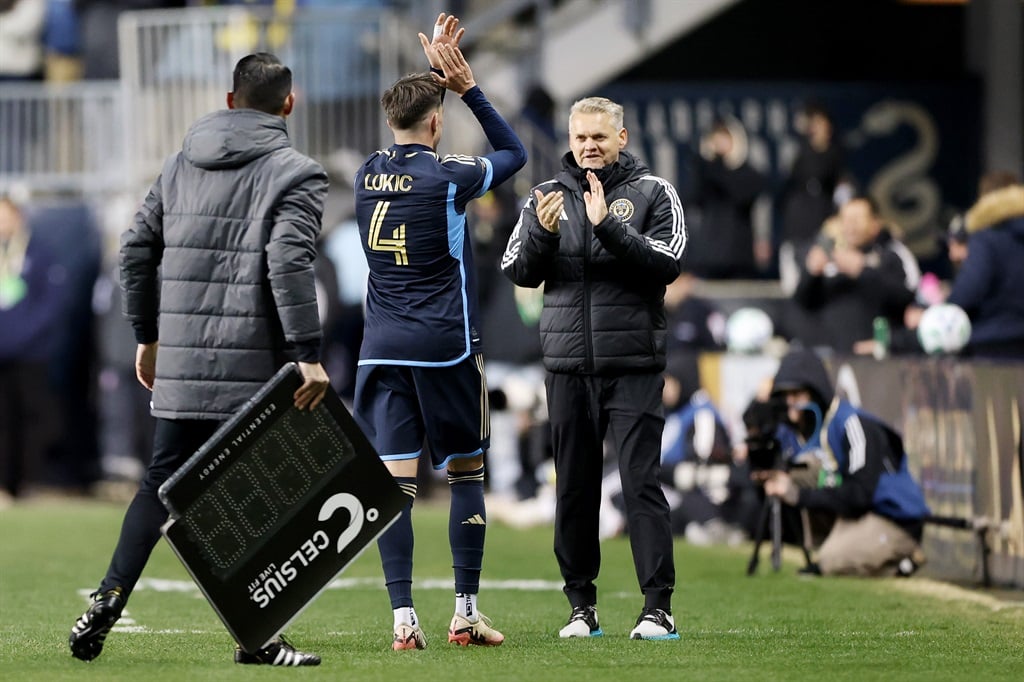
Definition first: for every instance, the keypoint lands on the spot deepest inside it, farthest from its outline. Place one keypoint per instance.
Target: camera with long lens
(761, 419)
(765, 453)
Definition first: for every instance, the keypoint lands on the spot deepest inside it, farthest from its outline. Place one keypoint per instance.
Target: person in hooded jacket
(604, 237)
(988, 284)
(851, 466)
(218, 283)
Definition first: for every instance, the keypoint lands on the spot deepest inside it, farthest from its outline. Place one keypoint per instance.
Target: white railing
(61, 138)
(111, 137)
(177, 65)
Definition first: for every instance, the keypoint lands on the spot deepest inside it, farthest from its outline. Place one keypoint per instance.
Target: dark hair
(997, 179)
(261, 82)
(721, 125)
(410, 99)
(870, 201)
(816, 108)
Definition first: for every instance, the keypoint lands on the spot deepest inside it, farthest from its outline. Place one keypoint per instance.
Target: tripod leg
(805, 532)
(762, 524)
(776, 534)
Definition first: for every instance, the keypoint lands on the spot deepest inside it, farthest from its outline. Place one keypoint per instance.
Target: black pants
(174, 441)
(628, 409)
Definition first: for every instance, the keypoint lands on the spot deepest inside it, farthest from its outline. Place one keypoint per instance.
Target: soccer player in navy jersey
(420, 377)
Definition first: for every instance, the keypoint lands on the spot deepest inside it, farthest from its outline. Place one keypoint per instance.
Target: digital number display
(257, 494)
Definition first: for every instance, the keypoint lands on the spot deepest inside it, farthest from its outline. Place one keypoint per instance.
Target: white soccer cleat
(463, 632)
(408, 637)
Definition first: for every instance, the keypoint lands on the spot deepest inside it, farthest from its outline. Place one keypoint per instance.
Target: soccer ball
(748, 330)
(944, 328)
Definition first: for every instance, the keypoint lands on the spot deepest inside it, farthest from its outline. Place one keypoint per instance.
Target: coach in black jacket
(604, 237)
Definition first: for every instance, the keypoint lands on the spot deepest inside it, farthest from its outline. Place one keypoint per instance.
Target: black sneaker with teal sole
(654, 624)
(582, 623)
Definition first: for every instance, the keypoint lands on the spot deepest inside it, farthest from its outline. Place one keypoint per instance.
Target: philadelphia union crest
(621, 209)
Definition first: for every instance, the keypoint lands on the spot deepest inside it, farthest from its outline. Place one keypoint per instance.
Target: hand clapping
(597, 208)
(549, 209)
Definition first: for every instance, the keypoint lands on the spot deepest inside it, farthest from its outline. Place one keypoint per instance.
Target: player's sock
(467, 523)
(396, 546)
(406, 615)
(465, 606)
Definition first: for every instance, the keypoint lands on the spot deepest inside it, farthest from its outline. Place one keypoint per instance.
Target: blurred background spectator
(856, 272)
(808, 195)
(712, 498)
(97, 20)
(32, 286)
(989, 283)
(21, 39)
(510, 317)
(62, 42)
(988, 286)
(723, 187)
(694, 323)
(125, 424)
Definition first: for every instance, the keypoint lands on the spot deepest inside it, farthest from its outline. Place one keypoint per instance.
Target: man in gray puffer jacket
(217, 272)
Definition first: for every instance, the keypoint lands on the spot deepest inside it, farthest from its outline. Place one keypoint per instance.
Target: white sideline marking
(127, 624)
(189, 587)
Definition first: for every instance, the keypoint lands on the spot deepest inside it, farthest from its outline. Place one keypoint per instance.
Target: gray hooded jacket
(218, 265)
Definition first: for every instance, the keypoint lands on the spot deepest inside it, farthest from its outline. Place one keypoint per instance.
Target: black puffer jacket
(604, 285)
(231, 227)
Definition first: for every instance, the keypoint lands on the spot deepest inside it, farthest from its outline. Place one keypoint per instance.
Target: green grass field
(772, 626)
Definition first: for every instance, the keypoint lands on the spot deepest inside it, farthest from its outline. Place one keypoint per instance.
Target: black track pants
(628, 409)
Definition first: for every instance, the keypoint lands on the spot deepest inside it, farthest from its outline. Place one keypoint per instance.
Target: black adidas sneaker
(278, 652)
(91, 629)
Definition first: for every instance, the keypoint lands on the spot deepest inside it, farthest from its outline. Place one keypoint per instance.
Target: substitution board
(275, 505)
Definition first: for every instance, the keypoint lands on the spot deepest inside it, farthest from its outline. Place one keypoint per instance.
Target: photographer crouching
(849, 465)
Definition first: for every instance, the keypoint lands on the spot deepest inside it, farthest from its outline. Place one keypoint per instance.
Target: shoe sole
(88, 644)
(593, 633)
(465, 639)
(86, 652)
(244, 658)
(406, 646)
(656, 638)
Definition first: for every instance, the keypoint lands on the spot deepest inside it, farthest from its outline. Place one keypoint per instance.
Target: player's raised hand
(446, 32)
(458, 77)
(314, 386)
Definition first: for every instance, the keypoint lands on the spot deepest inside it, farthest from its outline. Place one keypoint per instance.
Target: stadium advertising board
(961, 425)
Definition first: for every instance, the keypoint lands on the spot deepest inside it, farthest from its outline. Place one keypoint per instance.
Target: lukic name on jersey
(387, 182)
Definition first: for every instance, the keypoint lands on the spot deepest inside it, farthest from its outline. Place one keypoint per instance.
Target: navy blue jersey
(421, 302)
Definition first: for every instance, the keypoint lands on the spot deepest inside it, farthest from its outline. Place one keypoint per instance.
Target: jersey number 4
(396, 243)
